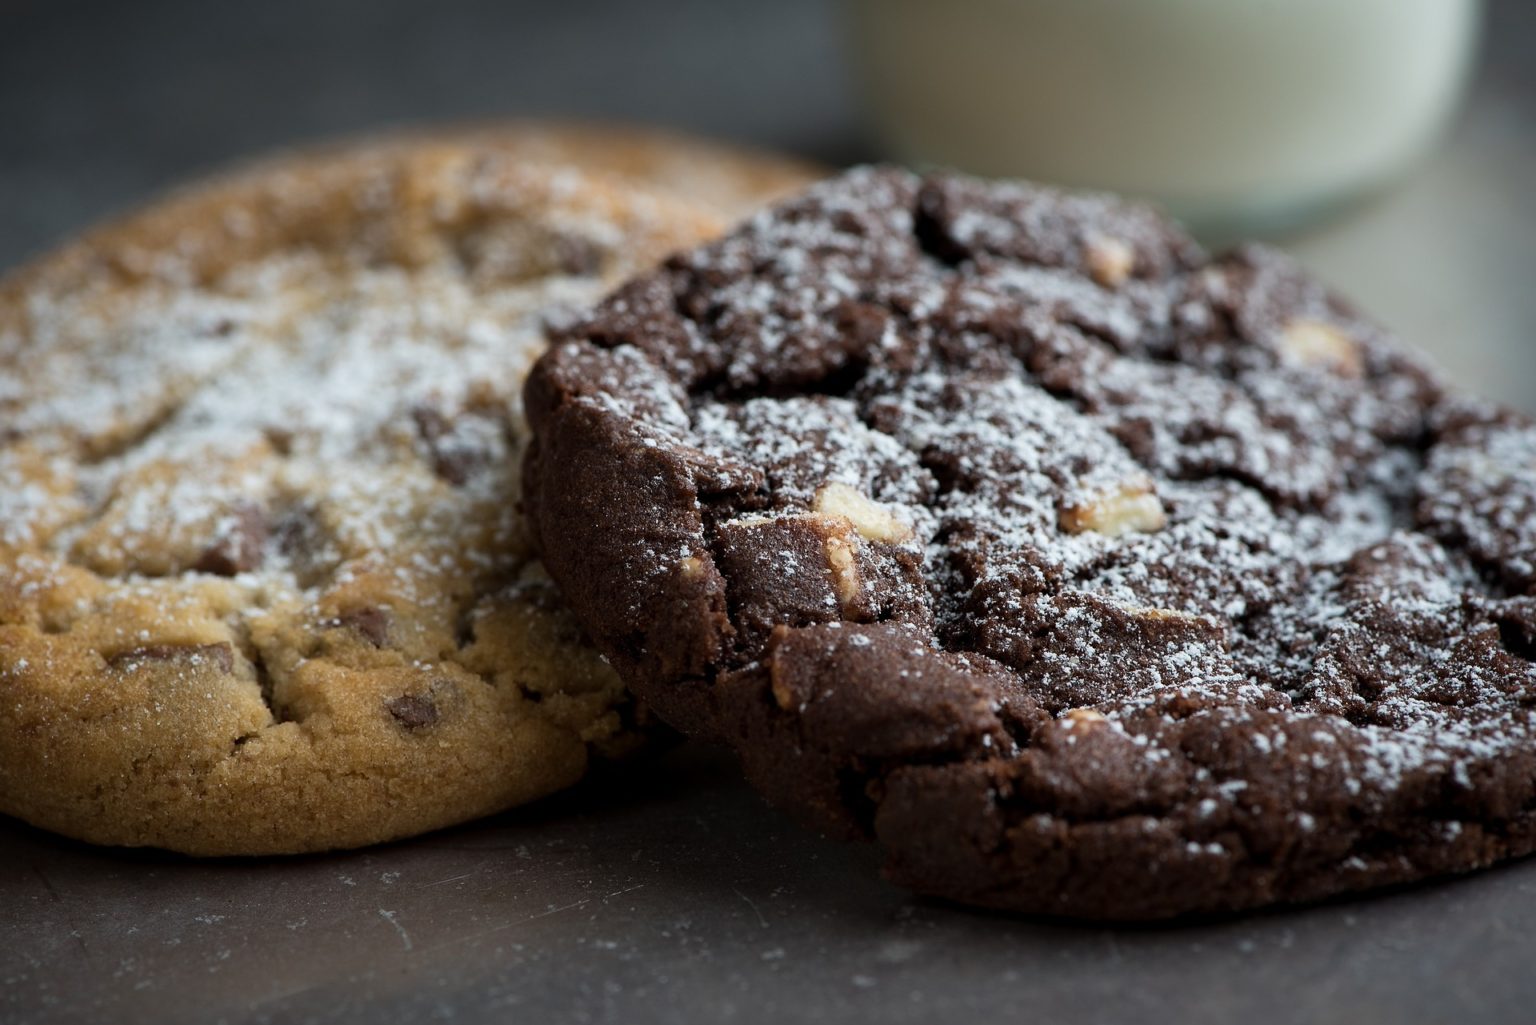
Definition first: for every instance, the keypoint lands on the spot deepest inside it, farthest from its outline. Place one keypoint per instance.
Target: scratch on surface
(405, 937)
(47, 885)
(450, 879)
(565, 907)
(69, 919)
(620, 893)
(535, 917)
(543, 914)
(760, 919)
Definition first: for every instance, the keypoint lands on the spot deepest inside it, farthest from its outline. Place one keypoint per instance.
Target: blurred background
(103, 103)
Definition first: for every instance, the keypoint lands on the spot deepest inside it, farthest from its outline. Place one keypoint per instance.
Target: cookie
(263, 588)
(730, 182)
(1088, 574)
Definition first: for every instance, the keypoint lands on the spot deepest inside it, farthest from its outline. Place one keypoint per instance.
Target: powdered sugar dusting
(1138, 490)
(307, 413)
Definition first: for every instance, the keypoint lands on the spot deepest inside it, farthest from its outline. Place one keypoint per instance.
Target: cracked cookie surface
(1088, 574)
(263, 587)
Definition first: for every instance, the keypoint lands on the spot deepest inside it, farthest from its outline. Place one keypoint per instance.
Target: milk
(1237, 115)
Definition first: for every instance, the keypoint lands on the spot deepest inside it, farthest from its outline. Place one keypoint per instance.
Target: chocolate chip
(577, 255)
(280, 438)
(369, 621)
(431, 424)
(453, 460)
(238, 546)
(862, 324)
(457, 467)
(221, 655)
(413, 711)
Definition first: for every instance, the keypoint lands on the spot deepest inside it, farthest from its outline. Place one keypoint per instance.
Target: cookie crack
(122, 448)
(1517, 639)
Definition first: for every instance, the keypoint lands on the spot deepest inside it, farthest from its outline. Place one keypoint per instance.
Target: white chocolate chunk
(1318, 344)
(1134, 506)
(873, 521)
(1109, 261)
(844, 566)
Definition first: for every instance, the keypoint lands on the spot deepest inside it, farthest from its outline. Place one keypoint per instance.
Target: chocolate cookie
(1089, 575)
(262, 587)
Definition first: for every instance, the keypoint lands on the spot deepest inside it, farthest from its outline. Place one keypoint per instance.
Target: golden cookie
(263, 587)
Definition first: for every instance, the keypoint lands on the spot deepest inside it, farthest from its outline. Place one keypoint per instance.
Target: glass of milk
(1239, 116)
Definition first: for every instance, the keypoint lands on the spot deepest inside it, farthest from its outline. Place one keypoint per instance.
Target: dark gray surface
(674, 895)
(104, 102)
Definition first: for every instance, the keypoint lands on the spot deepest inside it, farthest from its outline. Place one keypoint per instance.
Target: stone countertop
(674, 895)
